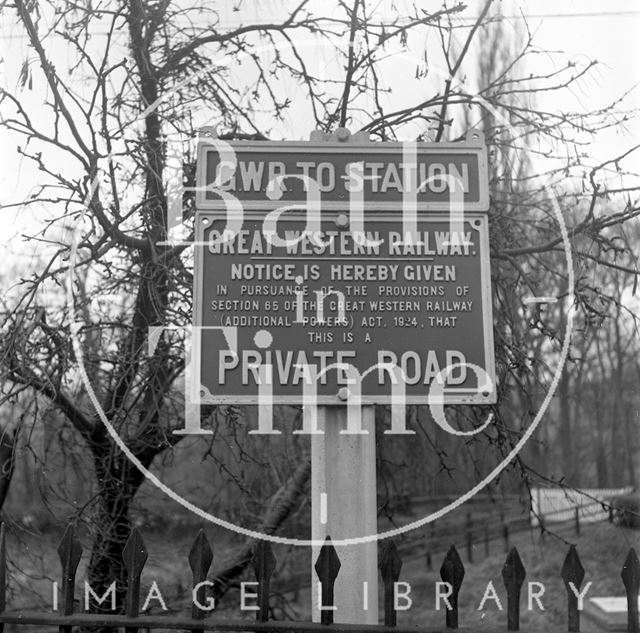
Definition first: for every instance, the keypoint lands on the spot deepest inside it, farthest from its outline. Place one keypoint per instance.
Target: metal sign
(268, 312)
(387, 172)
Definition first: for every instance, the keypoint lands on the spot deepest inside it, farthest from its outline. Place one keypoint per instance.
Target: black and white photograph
(319, 315)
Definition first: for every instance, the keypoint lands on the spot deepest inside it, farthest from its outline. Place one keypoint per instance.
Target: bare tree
(114, 97)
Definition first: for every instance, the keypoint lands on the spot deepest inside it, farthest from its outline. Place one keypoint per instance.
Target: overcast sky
(606, 31)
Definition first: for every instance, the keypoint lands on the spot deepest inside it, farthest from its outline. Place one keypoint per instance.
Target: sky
(606, 31)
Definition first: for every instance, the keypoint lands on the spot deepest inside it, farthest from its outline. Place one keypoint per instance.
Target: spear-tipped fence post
(573, 572)
(390, 566)
(631, 579)
(327, 567)
(513, 575)
(452, 571)
(200, 559)
(3, 572)
(70, 553)
(264, 564)
(134, 556)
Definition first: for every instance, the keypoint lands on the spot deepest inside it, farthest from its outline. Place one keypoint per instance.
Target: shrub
(626, 509)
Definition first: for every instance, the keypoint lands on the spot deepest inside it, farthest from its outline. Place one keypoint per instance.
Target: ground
(33, 565)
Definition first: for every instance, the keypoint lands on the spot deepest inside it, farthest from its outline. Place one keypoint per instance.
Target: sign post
(340, 274)
(343, 505)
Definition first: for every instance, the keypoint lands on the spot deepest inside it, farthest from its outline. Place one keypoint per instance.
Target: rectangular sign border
(371, 149)
(449, 397)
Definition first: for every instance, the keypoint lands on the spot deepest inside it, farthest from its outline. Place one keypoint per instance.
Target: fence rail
(134, 555)
(559, 504)
(481, 528)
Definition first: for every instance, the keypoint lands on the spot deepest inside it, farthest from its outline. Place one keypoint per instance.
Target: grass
(602, 548)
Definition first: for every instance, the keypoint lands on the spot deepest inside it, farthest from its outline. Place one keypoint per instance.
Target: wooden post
(430, 545)
(343, 505)
(469, 538)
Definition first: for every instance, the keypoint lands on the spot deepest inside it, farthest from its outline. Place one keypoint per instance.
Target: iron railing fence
(134, 555)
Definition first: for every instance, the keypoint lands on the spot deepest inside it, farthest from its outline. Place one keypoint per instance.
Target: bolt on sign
(325, 266)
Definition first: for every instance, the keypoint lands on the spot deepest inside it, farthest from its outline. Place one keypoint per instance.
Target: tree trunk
(618, 440)
(119, 480)
(633, 437)
(281, 505)
(602, 466)
(7, 461)
(568, 436)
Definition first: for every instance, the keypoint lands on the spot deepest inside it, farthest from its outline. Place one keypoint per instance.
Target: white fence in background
(556, 505)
